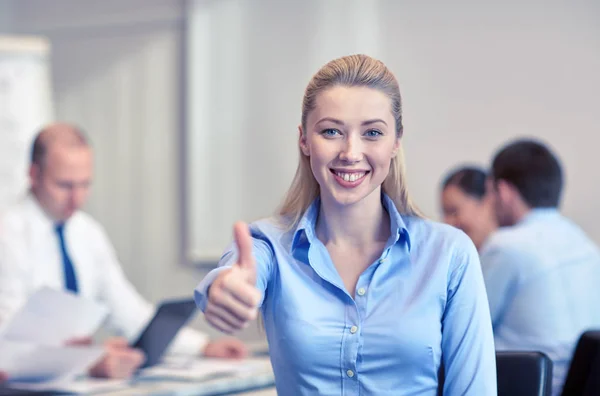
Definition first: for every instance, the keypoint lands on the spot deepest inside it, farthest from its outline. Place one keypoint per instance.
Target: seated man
(541, 270)
(45, 240)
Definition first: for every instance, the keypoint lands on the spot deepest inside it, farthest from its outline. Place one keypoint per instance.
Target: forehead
(61, 157)
(350, 104)
(456, 195)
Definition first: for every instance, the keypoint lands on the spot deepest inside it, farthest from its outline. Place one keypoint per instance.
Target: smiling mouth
(349, 176)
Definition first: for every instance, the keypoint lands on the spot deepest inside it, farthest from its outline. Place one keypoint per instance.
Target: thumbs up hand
(233, 297)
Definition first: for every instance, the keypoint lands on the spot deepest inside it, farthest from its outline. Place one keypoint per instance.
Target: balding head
(61, 170)
(62, 134)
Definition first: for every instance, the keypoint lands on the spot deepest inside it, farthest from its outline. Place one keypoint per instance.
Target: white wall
(6, 16)
(473, 75)
(117, 72)
(117, 69)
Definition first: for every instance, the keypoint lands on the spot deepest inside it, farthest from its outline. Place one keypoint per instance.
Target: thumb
(243, 240)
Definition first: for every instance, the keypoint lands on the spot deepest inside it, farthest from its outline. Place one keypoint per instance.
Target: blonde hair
(348, 71)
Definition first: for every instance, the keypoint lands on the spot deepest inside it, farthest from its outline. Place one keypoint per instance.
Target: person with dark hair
(466, 204)
(47, 240)
(541, 270)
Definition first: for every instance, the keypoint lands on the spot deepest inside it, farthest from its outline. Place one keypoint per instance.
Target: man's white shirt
(30, 257)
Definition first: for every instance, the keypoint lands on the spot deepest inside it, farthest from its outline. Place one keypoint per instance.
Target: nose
(352, 150)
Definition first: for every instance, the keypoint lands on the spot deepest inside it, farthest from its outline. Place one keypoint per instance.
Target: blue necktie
(70, 278)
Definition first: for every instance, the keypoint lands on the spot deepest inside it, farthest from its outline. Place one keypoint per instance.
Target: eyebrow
(339, 122)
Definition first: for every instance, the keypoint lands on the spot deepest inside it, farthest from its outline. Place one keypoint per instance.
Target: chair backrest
(583, 378)
(522, 373)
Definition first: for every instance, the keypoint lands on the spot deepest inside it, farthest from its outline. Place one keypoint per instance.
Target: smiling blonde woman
(358, 293)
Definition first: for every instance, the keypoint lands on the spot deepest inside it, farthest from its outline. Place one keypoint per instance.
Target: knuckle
(216, 295)
(253, 314)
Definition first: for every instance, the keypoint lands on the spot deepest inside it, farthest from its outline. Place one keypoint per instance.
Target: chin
(349, 198)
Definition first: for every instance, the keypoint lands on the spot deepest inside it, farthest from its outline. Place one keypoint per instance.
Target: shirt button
(361, 291)
(353, 329)
(350, 373)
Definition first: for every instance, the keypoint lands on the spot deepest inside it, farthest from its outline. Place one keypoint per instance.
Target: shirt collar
(40, 213)
(538, 214)
(305, 230)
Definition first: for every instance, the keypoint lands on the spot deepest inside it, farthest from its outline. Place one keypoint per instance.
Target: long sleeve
(467, 338)
(14, 274)
(501, 280)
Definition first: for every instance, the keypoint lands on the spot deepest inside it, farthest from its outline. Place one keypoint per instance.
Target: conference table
(253, 378)
(258, 382)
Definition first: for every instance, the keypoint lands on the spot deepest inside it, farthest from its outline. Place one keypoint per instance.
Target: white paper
(81, 385)
(52, 317)
(42, 366)
(203, 369)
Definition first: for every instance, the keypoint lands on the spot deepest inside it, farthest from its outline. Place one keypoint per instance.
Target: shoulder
(428, 236)
(14, 219)
(446, 251)
(84, 220)
(514, 243)
(271, 230)
(512, 251)
(83, 223)
(515, 237)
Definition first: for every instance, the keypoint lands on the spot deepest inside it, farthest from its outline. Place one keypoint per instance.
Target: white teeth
(350, 177)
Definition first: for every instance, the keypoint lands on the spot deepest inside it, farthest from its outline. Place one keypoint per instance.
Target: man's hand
(119, 361)
(79, 341)
(227, 348)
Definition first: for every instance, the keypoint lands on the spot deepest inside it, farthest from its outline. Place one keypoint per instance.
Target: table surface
(259, 381)
(251, 383)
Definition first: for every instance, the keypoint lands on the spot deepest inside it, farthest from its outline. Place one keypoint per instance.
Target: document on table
(52, 317)
(32, 343)
(203, 368)
(86, 386)
(44, 366)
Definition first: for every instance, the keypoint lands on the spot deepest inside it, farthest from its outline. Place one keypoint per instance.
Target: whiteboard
(25, 106)
(472, 74)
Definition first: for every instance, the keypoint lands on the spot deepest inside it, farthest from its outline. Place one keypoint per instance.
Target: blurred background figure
(46, 239)
(541, 269)
(466, 204)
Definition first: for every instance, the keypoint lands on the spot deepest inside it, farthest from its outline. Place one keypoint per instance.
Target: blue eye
(373, 133)
(330, 132)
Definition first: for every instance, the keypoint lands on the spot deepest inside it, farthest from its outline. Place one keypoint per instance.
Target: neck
(46, 212)
(487, 232)
(356, 225)
(519, 212)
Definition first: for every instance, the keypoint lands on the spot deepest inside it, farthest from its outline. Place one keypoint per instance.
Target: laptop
(169, 318)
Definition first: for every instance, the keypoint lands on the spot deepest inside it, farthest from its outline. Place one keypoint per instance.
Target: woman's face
(472, 215)
(350, 139)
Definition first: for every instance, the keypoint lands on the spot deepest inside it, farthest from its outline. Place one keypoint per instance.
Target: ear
(506, 191)
(302, 142)
(35, 173)
(396, 147)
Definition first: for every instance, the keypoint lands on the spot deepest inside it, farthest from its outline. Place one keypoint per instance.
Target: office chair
(518, 373)
(583, 378)
(522, 373)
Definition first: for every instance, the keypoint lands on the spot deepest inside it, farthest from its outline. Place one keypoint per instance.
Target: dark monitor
(169, 318)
